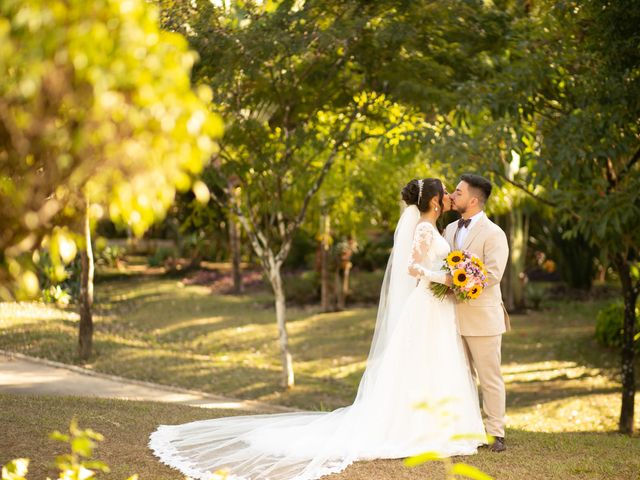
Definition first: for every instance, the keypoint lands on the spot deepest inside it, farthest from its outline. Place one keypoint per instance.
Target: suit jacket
(485, 315)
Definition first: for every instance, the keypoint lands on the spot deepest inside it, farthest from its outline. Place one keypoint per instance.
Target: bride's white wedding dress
(416, 394)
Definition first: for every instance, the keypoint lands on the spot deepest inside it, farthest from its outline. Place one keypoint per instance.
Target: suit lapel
(449, 234)
(473, 233)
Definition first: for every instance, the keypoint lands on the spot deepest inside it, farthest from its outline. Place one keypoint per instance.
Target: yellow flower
(460, 278)
(475, 291)
(478, 262)
(454, 258)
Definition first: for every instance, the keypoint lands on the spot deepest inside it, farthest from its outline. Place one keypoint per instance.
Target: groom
(482, 321)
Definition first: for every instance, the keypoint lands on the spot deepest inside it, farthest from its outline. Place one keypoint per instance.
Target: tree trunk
(234, 244)
(325, 229)
(85, 340)
(518, 251)
(516, 226)
(345, 268)
(630, 295)
(506, 284)
(275, 276)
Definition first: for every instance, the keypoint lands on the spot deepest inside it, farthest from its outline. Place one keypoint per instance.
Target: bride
(416, 394)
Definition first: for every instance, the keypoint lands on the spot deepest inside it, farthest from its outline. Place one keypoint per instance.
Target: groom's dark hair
(481, 186)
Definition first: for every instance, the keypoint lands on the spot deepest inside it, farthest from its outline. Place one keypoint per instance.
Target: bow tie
(464, 223)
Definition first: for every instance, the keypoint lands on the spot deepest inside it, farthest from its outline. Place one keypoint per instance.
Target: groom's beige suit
(482, 321)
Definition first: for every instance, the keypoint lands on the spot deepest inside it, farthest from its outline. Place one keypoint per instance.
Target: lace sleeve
(422, 240)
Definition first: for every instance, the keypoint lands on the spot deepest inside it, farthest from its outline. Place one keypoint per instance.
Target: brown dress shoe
(498, 445)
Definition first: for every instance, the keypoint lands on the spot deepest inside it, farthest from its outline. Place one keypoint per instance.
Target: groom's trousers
(484, 356)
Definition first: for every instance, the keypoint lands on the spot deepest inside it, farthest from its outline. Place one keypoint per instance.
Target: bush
(610, 323)
(56, 294)
(160, 256)
(373, 255)
(60, 284)
(365, 287)
(110, 256)
(534, 294)
(302, 289)
(303, 251)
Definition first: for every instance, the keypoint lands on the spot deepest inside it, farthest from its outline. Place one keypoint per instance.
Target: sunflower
(478, 262)
(475, 291)
(460, 278)
(454, 258)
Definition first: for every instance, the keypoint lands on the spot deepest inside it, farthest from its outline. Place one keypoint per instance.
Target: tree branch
(631, 163)
(523, 188)
(315, 187)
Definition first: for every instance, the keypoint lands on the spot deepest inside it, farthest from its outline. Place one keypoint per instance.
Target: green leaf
(470, 472)
(82, 446)
(61, 437)
(473, 436)
(16, 469)
(96, 465)
(422, 458)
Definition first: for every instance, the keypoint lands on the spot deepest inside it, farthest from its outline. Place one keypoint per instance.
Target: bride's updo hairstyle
(431, 187)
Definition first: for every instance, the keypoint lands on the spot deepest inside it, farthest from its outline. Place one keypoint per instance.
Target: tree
(97, 117)
(565, 96)
(294, 102)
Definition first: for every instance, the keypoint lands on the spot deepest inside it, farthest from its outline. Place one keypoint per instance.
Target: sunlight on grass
(30, 312)
(158, 330)
(340, 368)
(187, 324)
(543, 371)
(591, 413)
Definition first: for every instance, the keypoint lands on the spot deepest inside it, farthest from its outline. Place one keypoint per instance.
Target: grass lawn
(562, 387)
(126, 426)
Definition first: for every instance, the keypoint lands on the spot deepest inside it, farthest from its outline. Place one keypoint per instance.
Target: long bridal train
(415, 395)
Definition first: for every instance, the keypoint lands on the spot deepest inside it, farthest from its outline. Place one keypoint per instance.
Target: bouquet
(469, 276)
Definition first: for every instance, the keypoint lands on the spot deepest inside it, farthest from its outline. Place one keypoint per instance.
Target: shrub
(160, 256)
(56, 294)
(60, 284)
(303, 251)
(534, 293)
(610, 323)
(302, 289)
(110, 256)
(365, 287)
(374, 254)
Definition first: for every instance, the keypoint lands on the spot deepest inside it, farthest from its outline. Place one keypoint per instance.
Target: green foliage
(556, 115)
(16, 469)
(160, 256)
(77, 465)
(56, 294)
(300, 108)
(60, 284)
(609, 326)
(535, 293)
(303, 252)
(365, 286)
(304, 289)
(96, 103)
(110, 255)
(373, 254)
